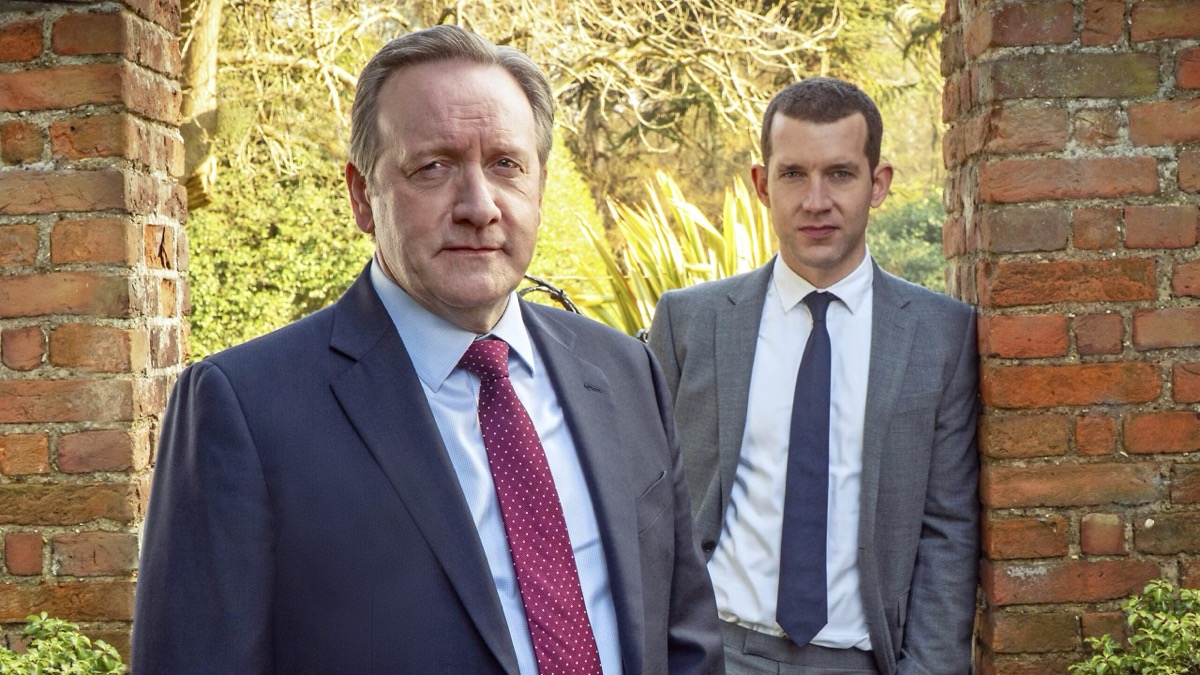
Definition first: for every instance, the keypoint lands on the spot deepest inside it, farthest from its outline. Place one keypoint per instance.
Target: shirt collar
(852, 290)
(435, 345)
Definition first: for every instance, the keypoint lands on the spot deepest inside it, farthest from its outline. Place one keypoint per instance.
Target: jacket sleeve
(941, 607)
(203, 602)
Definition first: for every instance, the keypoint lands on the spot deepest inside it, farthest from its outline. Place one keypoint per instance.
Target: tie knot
(487, 358)
(818, 303)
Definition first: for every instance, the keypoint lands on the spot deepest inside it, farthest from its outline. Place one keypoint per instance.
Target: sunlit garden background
(659, 106)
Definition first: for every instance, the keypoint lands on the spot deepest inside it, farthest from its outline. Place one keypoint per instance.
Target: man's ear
(758, 176)
(356, 184)
(881, 183)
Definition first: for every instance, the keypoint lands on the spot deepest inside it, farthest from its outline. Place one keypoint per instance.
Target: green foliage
(1165, 639)
(667, 243)
(905, 238)
(271, 248)
(58, 648)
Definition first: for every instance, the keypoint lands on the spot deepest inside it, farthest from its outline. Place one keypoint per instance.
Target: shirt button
(708, 546)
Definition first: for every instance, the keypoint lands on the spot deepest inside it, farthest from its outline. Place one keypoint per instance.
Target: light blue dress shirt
(435, 347)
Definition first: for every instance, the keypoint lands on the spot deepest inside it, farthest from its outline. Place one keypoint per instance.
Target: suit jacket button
(708, 546)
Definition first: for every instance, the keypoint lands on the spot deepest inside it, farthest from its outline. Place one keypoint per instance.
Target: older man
(429, 476)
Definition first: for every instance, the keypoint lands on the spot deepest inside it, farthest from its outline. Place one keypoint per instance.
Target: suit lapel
(892, 330)
(585, 396)
(382, 396)
(736, 329)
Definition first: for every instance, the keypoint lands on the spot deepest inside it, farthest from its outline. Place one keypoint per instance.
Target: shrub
(58, 648)
(1165, 639)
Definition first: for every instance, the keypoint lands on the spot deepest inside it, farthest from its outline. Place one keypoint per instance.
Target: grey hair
(442, 43)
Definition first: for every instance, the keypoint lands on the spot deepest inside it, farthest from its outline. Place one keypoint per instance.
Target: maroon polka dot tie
(533, 519)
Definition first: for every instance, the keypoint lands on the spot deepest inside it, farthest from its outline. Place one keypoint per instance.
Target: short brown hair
(824, 100)
(441, 43)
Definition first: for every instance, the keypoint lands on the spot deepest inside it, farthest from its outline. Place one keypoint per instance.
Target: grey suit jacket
(919, 530)
(305, 517)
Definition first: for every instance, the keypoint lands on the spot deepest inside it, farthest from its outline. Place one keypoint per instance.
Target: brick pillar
(91, 296)
(1073, 159)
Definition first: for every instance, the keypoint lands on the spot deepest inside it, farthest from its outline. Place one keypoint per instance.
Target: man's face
(455, 201)
(819, 189)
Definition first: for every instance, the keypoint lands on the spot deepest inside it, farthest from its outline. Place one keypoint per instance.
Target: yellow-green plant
(667, 243)
(57, 647)
(1164, 625)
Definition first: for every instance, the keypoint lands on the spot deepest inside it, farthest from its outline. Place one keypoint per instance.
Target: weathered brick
(168, 298)
(1011, 538)
(1060, 582)
(93, 600)
(165, 13)
(159, 242)
(1185, 484)
(1027, 180)
(954, 237)
(1102, 534)
(69, 86)
(103, 450)
(1017, 229)
(21, 40)
(1164, 19)
(42, 401)
(88, 554)
(18, 244)
(1019, 24)
(1161, 226)
(1166, 327)
(108, 240)
(1011, 129)
(23, 553)
(1099, 334)
(1040, 283)
(1100, 127)
(1070, 75)
(164, 347)
(1165, 122)
(120, 135)
(1029, 632)
(1187, 69)
(1010, 436)
(1006, 664)
(68, 503)
(1023, 336)
(1046, 386)
(1166, 431)
(1092, 484)
(100, 349)
(29, 192)
(1095, 435)
(1189, 170)
(1189, 574)
(21, 142)
(1096, 228)
(88, 33)
(22, 348)
(1185, 382)
(65, 293)
(1103, 22)
(953, 53)
(1168, 533)
(1098, 624)
(1185, 279)
(23, 454)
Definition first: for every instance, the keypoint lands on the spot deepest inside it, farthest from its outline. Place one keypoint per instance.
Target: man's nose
(475, 203)
(817, 198)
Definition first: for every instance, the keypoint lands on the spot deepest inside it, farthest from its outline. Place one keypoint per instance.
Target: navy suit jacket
(305, 517)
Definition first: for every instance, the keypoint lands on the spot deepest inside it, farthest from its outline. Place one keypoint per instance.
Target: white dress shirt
(435, 347)
(745, 565)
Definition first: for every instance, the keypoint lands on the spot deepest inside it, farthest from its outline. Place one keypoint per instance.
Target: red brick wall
(92, 291)
(1073, 200)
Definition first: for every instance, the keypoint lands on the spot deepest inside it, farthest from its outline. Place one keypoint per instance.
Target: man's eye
(507, 163)
(432, 166)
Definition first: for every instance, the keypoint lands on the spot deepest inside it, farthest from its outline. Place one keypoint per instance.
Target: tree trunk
(202, 26)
